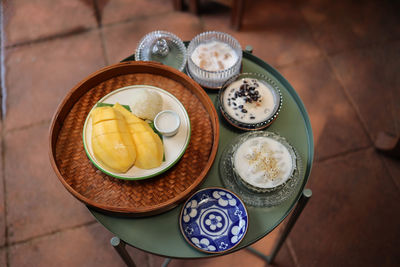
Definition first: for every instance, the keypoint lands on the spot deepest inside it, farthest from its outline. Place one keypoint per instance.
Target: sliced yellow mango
(148, 145)
(110, 126)
(149, 150)
(112, 143)
(104, 114)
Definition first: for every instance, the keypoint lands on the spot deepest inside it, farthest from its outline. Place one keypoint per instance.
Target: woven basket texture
(141, 196)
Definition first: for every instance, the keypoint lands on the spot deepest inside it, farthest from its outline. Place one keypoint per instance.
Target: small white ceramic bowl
(167, 122)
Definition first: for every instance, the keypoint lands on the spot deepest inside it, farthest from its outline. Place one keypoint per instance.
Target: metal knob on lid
(163, 47)
(160, 48)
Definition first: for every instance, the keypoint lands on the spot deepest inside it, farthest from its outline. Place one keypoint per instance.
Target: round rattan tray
(132, 198)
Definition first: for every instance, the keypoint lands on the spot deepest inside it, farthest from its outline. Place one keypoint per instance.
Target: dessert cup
(250, 101)
(210, 77)
(263, 161)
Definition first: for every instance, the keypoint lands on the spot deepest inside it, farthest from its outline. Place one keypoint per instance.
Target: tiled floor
(342, 57)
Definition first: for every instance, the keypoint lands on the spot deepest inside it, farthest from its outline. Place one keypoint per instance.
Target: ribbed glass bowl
(243, 125)
(175, 55)
(213, 79)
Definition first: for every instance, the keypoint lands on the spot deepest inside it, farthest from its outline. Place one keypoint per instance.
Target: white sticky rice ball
(146, 104)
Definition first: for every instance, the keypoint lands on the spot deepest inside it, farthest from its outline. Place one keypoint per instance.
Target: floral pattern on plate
(213, 220)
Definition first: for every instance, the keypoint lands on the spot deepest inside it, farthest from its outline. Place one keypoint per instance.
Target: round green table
(160, 234)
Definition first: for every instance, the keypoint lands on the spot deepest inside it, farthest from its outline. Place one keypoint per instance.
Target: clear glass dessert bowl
(250, 101)
(263, 161)
(213, 58)
(163, 47)
(262, 167)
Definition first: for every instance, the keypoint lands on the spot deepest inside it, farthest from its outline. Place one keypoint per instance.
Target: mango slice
(148, 144)
(112, 142)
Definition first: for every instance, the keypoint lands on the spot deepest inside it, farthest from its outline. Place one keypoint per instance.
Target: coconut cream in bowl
(250, 101)
(213, 58)
(167, 122)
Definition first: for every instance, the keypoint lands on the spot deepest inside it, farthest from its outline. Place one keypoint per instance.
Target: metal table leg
(120, 247)
(307, 193)
(166, 262)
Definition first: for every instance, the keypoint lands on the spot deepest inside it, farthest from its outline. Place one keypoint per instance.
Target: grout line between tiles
(3, 112)
(72, 32)
(385, 165)
(147, 255)
(100, 27)
(2, 67)
(342, 154)
(97, 13)
(298, 62)
(104, 46)
(89, 223)
(292, 252)
(6, 242)
(136, 18)
(42, 122)
(350, 99)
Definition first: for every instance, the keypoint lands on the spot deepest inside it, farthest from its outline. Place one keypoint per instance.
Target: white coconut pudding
(214, 56)
(250, 101)
(264, 163)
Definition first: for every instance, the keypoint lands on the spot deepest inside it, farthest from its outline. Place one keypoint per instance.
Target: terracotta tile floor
(342, 57)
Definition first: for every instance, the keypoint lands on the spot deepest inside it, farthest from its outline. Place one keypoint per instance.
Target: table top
(161, 235)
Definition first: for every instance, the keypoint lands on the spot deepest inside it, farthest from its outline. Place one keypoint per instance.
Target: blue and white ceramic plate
(213, 220)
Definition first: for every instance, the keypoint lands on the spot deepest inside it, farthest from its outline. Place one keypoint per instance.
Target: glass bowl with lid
(213, 57)
(163, 47)
(250, 101)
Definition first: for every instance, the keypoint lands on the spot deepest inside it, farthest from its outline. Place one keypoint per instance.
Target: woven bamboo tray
(132, 198)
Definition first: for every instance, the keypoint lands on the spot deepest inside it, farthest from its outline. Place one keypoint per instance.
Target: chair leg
(307, 193)
(178, 5)
(194, 6)
(237, 14)
(119, 246)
